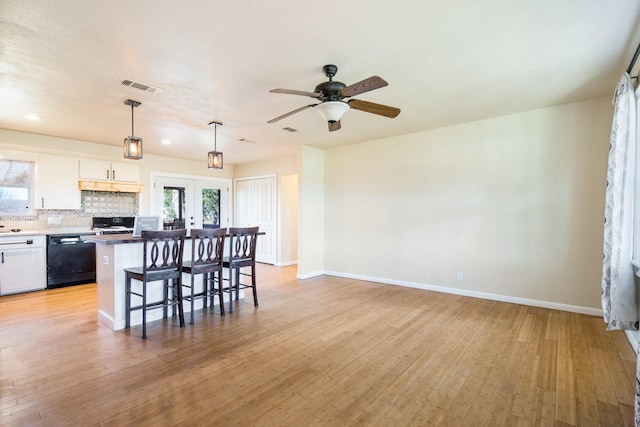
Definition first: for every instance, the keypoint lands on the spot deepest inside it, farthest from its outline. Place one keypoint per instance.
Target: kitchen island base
(114, 253)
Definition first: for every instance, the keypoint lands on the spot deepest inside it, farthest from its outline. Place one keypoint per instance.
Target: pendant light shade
(214, 158)
(132, 144)
(133, 148)
(332, 111)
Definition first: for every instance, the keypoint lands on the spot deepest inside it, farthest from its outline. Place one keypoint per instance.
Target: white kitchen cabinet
(57, 183)
(22, 264)
(104, 170)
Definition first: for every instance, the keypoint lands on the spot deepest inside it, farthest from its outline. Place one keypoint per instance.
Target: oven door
(70, 261)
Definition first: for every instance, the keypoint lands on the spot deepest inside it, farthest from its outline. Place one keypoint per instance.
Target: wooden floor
(321, 352)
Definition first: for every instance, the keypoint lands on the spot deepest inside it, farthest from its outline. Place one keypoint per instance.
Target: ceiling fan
(331, 95)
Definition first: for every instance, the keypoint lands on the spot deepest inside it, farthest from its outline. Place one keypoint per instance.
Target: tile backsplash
(102, 203)
(93, 203)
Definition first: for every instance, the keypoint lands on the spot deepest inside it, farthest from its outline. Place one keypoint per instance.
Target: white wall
(311, 215)
(516, 203)
(279, 166)
(288, 224)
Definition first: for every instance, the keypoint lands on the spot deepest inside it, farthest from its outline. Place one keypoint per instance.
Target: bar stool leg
(238, 283)
(205, 291)
(220, 293)
(253, 285)
(192, 294)
(127, 302)
(178, 283)
(230, 289)
(144, 310)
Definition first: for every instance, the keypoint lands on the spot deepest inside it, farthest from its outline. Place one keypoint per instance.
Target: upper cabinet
(102, 170)
(57, 183)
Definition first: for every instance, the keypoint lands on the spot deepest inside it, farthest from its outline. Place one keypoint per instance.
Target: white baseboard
(465, 292)
(310, 275)
(286, 263)
(106, 319)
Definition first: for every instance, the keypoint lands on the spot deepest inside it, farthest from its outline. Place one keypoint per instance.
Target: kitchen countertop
(112, 239)
(6, 232)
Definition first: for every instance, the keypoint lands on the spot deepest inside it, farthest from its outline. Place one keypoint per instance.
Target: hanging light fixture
(214, 159)
(132, 144)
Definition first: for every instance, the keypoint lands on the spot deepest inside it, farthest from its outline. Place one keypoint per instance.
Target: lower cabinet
(22, 264)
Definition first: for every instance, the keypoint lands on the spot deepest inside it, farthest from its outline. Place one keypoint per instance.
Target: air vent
(246, 140)
(141, 86)
(288, 129)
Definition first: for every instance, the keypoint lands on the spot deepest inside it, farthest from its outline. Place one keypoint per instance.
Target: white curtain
(619, 299)
(619, 302)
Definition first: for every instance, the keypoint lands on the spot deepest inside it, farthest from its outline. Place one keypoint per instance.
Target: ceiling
(445, 62)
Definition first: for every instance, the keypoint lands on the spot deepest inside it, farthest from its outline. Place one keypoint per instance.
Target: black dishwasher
(70, 260)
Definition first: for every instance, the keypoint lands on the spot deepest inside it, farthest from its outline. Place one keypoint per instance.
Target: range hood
(116, 187)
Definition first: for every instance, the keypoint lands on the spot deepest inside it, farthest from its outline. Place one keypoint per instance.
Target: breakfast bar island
(114, 253)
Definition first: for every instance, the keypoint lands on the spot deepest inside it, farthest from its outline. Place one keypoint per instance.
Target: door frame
(155, 175)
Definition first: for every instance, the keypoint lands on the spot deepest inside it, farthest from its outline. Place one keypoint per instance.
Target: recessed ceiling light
(246, 140)
(165, 142)
(33, 117)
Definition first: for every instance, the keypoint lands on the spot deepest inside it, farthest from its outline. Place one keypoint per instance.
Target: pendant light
(214, 159)
(132, 144)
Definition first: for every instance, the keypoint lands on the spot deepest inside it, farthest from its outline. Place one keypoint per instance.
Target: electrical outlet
(105, 260)
(460, 275)
(54, 220)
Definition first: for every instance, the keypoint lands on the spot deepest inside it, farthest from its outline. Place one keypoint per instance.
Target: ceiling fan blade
(296, 92)
(371, 107)
(334, 126)
(373, 82)
(291, 113)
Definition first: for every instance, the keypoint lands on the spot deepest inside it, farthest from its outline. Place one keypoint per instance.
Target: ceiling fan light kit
(331, 95)
(332, 111)
(214, 158)
(132, 146)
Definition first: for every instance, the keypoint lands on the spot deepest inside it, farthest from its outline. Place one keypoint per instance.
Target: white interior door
(245, 203)
(256, 200)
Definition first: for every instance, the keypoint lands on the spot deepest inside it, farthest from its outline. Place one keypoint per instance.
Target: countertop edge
(112, 239)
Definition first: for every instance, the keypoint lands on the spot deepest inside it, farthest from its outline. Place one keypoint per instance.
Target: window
(16, 178)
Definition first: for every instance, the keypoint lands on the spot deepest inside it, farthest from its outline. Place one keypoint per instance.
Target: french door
(191, 203)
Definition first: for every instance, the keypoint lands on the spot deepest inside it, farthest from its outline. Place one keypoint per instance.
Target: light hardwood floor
(321, 352)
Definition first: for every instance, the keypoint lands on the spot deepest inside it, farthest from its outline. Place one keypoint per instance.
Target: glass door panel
(173, 208)
(212, 199)
(210, 207)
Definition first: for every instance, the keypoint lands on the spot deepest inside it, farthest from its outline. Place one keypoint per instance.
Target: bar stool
(206, 259)
(161, 261)
(242, 253)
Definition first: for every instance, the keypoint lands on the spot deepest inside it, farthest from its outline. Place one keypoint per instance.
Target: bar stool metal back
(162, 261)
(207, 247)
(242, 253)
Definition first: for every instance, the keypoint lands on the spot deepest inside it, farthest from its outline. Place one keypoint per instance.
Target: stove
(113, 225)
